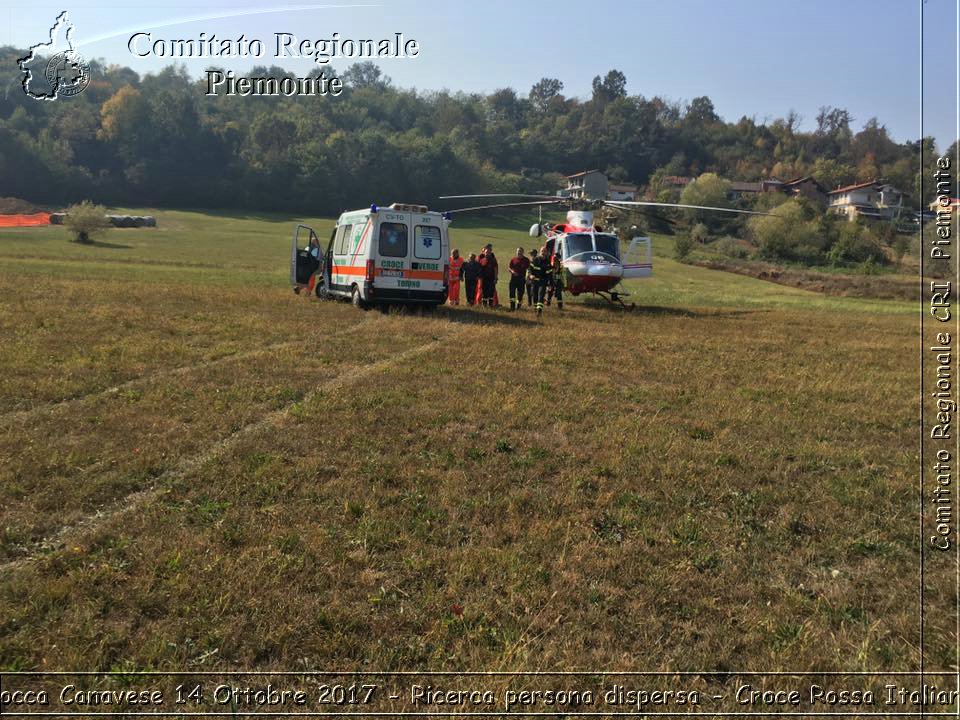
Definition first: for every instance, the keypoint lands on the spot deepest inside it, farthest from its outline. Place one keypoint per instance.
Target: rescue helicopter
(589, 254)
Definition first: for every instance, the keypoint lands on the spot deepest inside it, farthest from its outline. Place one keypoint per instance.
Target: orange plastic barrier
(24, 220)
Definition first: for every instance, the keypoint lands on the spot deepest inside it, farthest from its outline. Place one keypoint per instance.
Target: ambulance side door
(359, 247)
(340, 281)
(302, 262)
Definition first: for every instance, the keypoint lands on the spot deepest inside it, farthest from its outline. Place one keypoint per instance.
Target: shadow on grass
(103, 244)
(469, 315)
(663, 310)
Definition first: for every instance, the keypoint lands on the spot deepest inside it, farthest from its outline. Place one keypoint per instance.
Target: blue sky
(751, 57)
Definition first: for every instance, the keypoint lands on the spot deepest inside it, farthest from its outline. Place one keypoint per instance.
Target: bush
(901, 246)
(86, 221)
(788, 233)
(731, 248)
(700, 234)
(682, 247)
(854, 245)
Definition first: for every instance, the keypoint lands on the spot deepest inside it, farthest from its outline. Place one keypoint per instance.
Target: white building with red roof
(872, 199)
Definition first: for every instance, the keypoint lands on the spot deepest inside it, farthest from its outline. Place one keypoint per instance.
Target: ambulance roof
(393, 207)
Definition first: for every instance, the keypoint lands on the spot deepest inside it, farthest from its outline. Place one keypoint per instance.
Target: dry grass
(884, 286)
(234, 477)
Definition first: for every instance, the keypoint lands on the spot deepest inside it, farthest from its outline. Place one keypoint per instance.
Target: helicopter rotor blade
(626, 203)
(646, 213)
(501, 195)
(502, 205)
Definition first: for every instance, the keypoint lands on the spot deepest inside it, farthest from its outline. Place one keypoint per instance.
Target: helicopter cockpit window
(609, 245)
(577, 243)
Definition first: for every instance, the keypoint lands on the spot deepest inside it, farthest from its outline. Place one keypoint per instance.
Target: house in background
(739, 189)
(806, 187)
(676, 182)
(587, 185)
(668, 182)
(621, 191)
(873, 199)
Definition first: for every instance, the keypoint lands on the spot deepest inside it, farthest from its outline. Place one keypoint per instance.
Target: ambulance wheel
(321, 290)
(356, 299)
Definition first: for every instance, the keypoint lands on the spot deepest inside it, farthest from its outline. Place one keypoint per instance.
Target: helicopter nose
(605, 270)
(589, 269)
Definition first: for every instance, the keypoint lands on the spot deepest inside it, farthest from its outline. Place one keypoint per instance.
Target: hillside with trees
(158, 140)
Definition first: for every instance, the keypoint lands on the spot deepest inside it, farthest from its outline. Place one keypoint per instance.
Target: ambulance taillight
(369, 275)
(446, 274)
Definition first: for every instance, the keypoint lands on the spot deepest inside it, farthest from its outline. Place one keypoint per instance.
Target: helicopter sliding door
(638, 259)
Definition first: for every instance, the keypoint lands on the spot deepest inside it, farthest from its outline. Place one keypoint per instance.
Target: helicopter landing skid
(615, 298)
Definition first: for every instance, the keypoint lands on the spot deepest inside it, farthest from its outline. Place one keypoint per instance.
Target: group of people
(479, 272)
(539, 277)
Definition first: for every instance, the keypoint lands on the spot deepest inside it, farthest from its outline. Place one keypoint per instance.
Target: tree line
(158, 140)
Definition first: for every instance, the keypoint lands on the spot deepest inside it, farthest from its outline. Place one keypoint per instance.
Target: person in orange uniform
(456, 262)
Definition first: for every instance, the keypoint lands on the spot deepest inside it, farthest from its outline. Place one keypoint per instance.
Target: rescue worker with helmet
(456, 265)
(555, 284)
(518, 278)
(540, 271)
(531, 283)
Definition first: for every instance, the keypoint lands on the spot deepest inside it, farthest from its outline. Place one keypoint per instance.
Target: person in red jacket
(488, 274)
(456, 262)
(518, 278)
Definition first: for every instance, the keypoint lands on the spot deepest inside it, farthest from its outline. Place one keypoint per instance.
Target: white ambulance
(395, 254)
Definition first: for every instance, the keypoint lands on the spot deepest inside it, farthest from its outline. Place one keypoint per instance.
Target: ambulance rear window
(426, 242)
(393, 239)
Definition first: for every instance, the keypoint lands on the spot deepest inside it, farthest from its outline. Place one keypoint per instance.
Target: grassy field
(200, 469)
